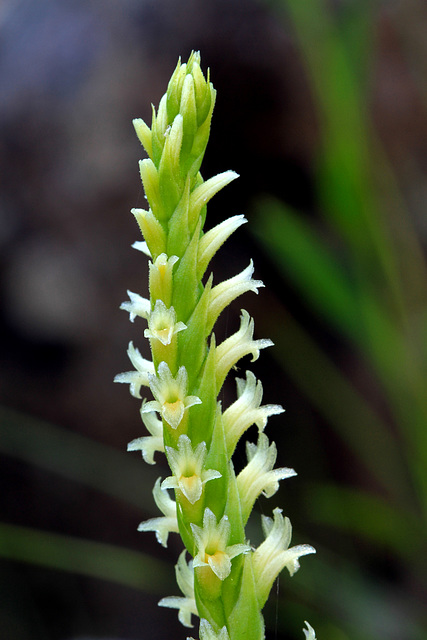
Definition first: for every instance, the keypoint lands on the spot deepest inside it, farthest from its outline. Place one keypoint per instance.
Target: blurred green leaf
(345, 177)
(74, 456)
(371, 518)
(302, 255)
(376, 292)
(335, 588)
(359, 425)
(350, 306)
(94, 559)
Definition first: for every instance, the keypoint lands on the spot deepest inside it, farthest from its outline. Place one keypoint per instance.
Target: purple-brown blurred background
(73, 74)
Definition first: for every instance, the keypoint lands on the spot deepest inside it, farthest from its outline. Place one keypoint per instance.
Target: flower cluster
(226, 582)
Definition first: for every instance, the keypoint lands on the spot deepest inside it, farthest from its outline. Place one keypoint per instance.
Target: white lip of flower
(162, 526)
(274, 553)
(138, 306)
(225, 292)
(185, 578)
(207, 632)
(211, 542)
(162, 324)
(187, 467)
(141, 245)
(259, 476)
(148, 445)
(246, 411)
(171, 395)
(309, 632)
(140, 377)
(236, 346)
(164, 264)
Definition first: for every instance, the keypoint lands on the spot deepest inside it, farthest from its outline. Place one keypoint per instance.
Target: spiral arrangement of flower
(225, 582)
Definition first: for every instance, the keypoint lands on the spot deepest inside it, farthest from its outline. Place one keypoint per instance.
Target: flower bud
(205, 94)
(150, 181)
(188, 110)
(174, 90)
(160, 278)
(179, 86)
(143, 132)
(152, 231)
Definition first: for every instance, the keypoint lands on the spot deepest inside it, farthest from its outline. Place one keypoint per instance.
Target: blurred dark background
(321, 109)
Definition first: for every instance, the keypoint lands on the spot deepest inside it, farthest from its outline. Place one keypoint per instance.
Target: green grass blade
(369, 517)
(303, 257)
(74, 456)
(94, 559)
(348, 412)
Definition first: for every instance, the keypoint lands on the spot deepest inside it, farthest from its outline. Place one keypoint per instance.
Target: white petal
(309, 632)
(142, 246)
(138, 306)
(186, 608)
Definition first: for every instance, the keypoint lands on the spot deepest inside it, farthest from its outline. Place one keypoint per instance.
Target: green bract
(226, 582)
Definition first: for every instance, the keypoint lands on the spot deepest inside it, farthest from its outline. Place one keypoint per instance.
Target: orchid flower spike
(226, 581)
